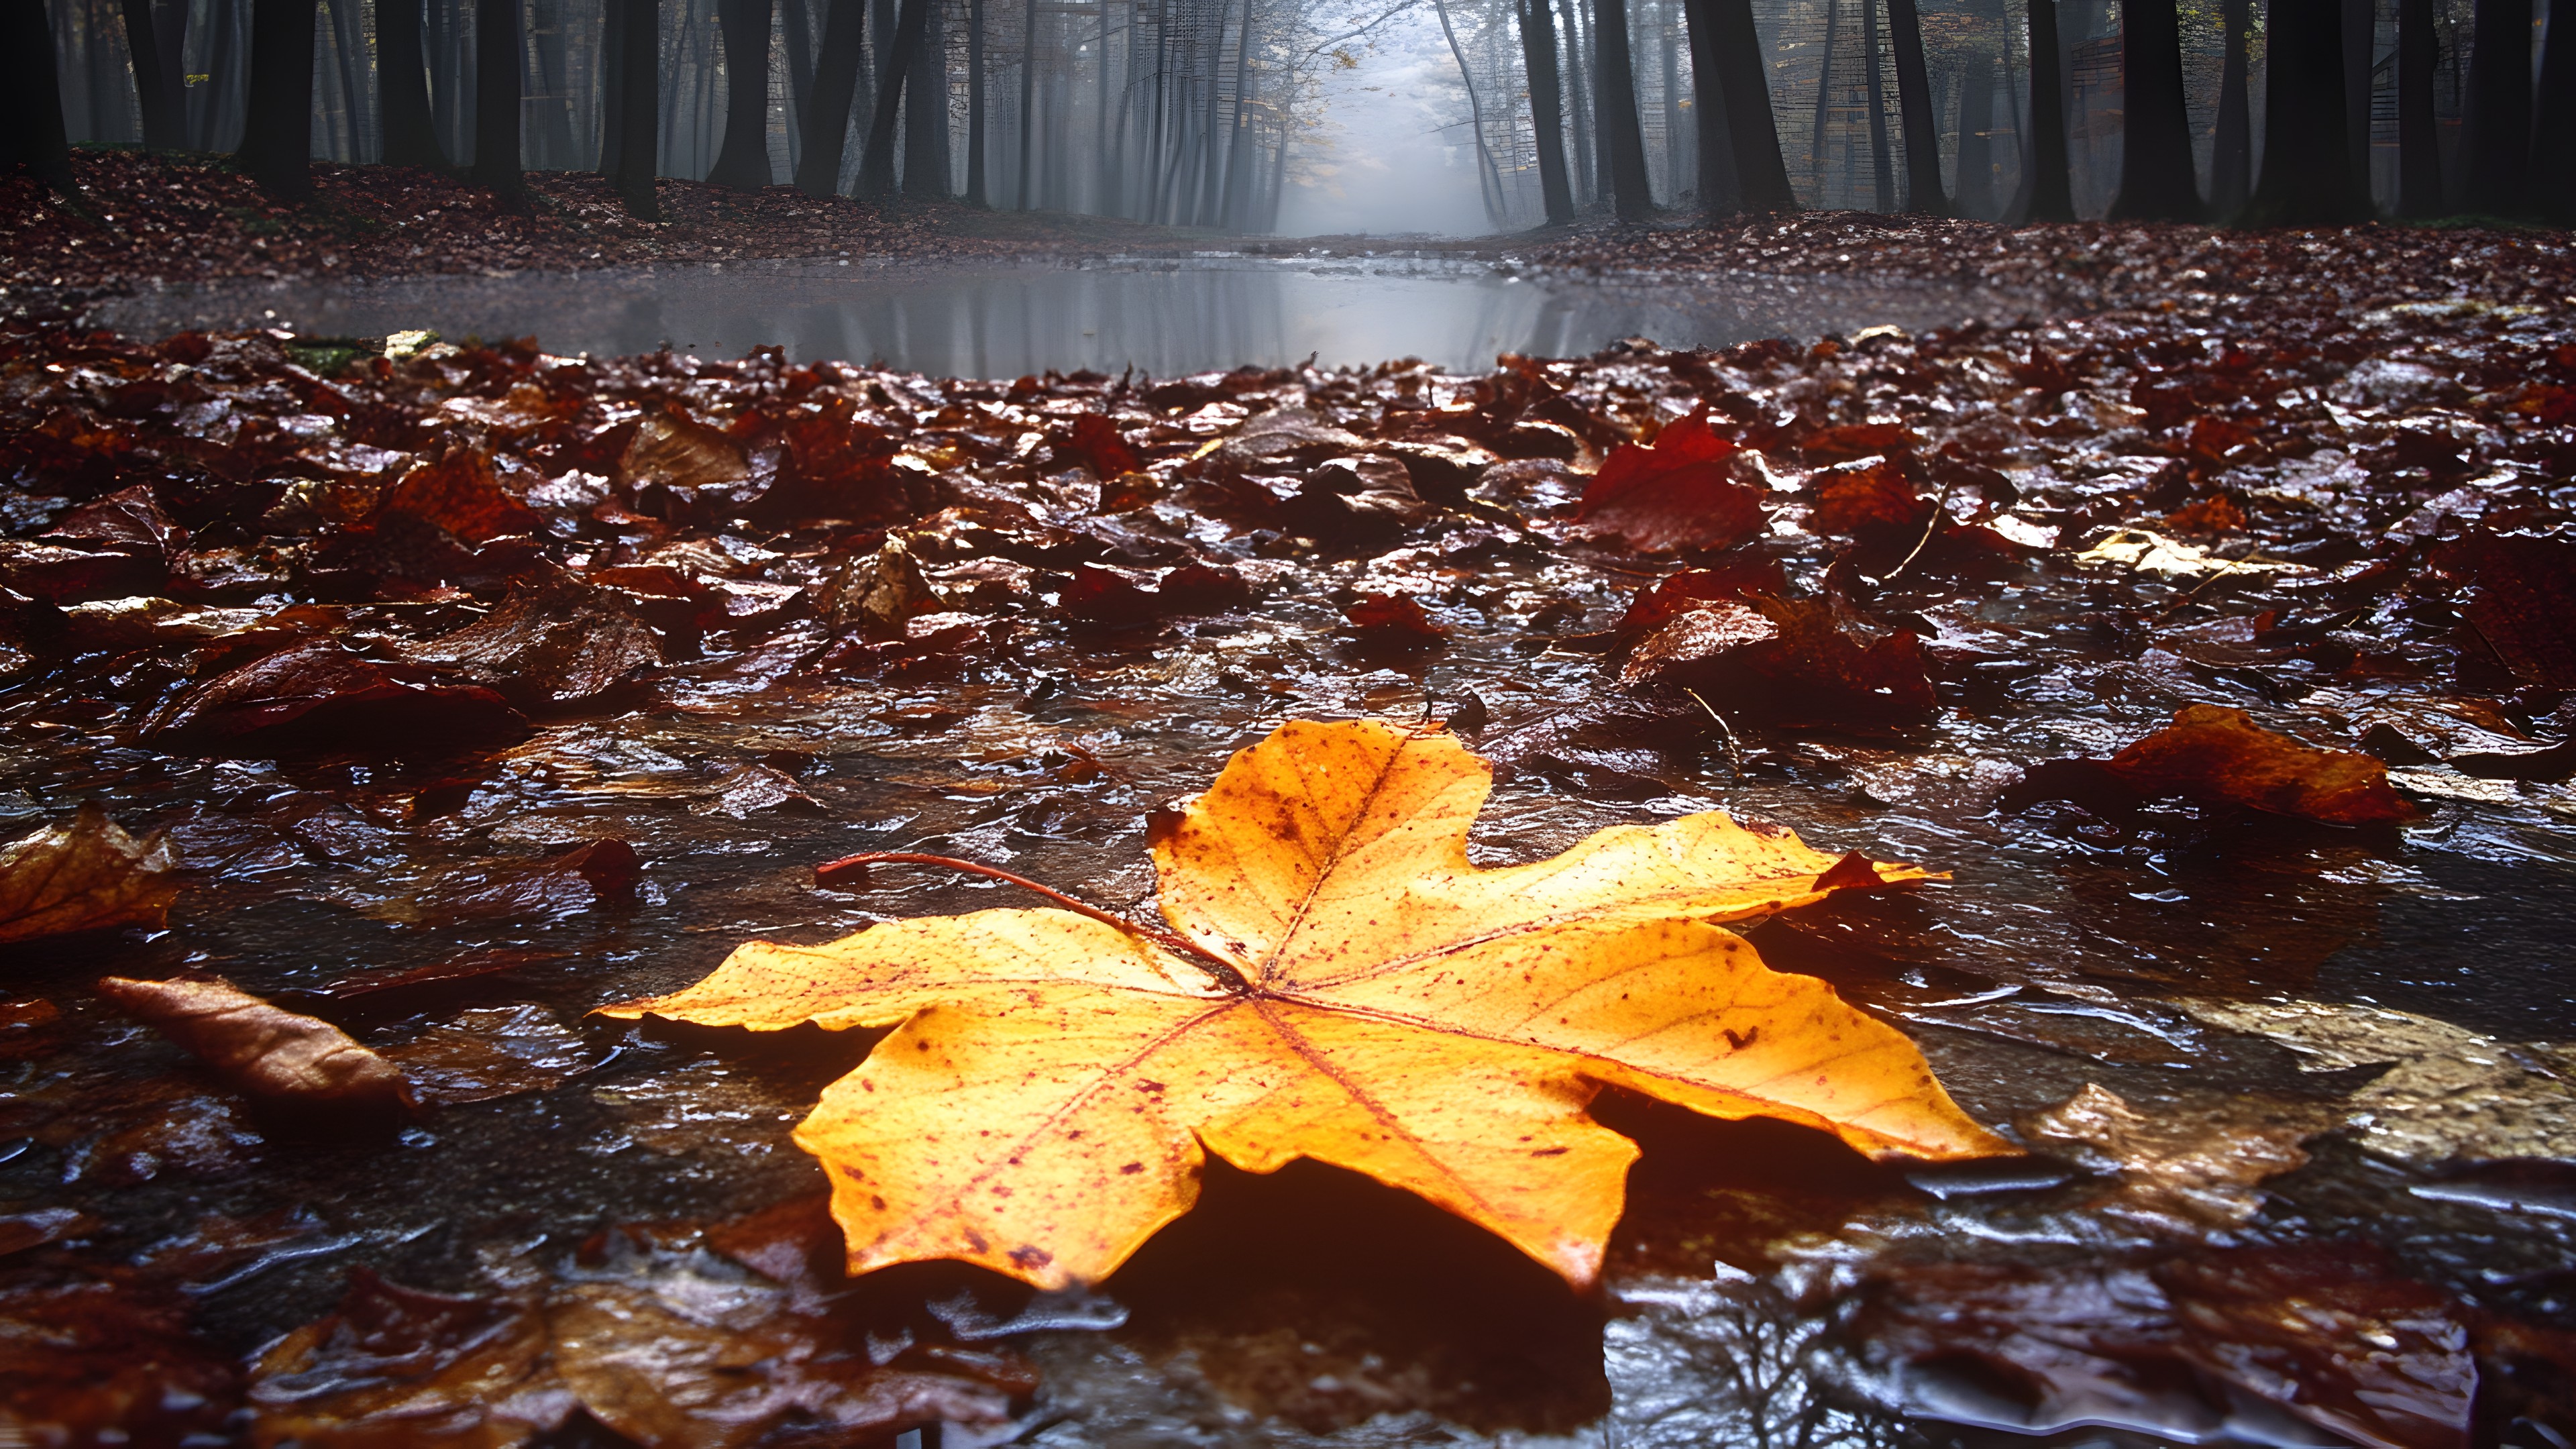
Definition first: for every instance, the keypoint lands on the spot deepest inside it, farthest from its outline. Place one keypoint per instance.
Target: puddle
(1163, 317)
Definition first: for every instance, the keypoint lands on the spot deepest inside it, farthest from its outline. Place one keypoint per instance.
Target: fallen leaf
(878, 592)
(691, 1353)
(273, 1055)
(1095, 440)
(590, 875)
(84, 876)
(2149, 552)
(1796, 661)
(459, 496)
(320, 696)
(1350, 989)
(1101, 594)
(93, 1361)
(2212, 753)
(1740, 577)
(1393, 621)
(1676, 494)
(2449, 1092)
(2521, 603)
(395, 1367)
(561, 642)
(746, 790)
(2190, 1167)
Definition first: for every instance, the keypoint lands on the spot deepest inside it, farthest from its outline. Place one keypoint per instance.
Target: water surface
(1159, 316)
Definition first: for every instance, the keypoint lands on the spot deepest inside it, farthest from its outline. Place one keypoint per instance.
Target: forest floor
(2212, 630)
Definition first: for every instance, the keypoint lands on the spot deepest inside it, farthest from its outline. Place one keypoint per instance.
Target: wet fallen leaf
(1797, 661)
(1393, 621)
(2149, 552)
(1100, 594)
(2217, 755)
(591, 875)
(291, 1062)
(83, 876)
(493, 1051)
(560, 642)
(90, 1361)
(321, 697)
(876, 593)
(1676, 494)
(394, 1366)
(2189, 1167)
(1347, 987)
(2448, 1092)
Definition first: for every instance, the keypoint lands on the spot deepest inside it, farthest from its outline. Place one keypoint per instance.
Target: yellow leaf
(1366, 997)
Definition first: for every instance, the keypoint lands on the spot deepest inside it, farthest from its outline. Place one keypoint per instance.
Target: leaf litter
(261, 599)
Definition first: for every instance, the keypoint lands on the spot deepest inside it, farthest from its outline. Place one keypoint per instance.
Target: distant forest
(1196, 112)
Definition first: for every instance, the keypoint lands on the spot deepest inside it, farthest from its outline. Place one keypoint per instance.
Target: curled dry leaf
(1345, 986)
(83, 876)
(1676, 494)
(876, 593)
(2213, 753)
(292, 1062)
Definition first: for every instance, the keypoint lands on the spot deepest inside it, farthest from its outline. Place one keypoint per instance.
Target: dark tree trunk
(1882, 166)
(2360, 21)
(496, 95)
(277, 131)
(2231, 153)
(170, 43)
(1719, 195)
(925, 127)
(2307, 167)
(826, 121)
(639, 82)
(612, 85)
(2048, 193)
(1817, 129)
(1581, 107)
(2419, 150)
(402, 85)
(743, 161)
(1923, 192)
(876, 165)
(977, 192)
(2499, 108)
(1976, 183)
(1746, 87)
(2553, 121)
(164, 119)
(1616, 85)
(2156, 181)
(1027, 199)
(34, 109)
(1547, 106)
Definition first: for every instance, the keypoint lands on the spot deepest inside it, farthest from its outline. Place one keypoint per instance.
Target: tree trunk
(1975, 186)
(1746, 86)
(836, 82)
(1026, 198)
(170, 43)
(2156, 180)
(2419, 151)
(1547, 106)
(163, 120)
(2553, 121)
(1719, 194)
(1577, 74)
(2049, 192)
(925, 127)
(550, 51)
(1489, 182)
(496, 95)
(1238, 137)
(402, 86)
(34, 114)
(1203, 205)
(1823, 122)
(1923, 192)
(1667, 56)
(2231, 155)
(2360, 23)
(639, 64)
(2499, 108)
(2307, 166)
(1882, 168)
(743, 160)
(1616, 84)
(277, 132)
(876, 167)
(977, 192)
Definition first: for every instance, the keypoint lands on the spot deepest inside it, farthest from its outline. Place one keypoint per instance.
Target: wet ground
(2395, 997)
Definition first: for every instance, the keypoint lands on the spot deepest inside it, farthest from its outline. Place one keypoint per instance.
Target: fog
(1379, 160)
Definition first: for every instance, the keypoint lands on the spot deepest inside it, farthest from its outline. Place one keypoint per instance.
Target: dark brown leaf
(308, 1067)
(84, 876)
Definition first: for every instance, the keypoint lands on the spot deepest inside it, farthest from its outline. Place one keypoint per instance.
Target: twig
(1170, 940)
(1734, 756)
(1940, 504)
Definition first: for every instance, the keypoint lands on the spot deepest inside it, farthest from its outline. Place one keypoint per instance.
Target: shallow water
(1160, 316)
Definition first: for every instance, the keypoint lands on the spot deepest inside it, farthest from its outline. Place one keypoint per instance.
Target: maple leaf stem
(854, 868)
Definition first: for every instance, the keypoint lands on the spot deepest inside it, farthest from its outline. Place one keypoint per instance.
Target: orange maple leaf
(1345, 986)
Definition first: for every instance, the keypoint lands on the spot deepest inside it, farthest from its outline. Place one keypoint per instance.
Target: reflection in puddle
(1161, 317)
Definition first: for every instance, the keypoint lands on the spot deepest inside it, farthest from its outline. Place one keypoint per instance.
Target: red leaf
(1674, 495)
